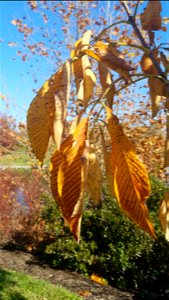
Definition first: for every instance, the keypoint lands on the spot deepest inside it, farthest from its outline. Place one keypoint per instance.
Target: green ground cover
(19, 286)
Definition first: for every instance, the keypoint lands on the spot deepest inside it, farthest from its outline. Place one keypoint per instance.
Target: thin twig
(136, 8)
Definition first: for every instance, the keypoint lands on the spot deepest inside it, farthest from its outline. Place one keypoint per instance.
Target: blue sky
(17, 83)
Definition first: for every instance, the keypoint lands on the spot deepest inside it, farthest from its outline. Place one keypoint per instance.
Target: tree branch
(132, 22)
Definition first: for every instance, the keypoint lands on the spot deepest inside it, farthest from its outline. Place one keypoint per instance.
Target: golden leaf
(94, 178)
(38, 130)
(85, 79)
(47, 112)
(131, 182)
(68, 175)
(106, 82)
(89, 83)
(151, 19)
(164, 214)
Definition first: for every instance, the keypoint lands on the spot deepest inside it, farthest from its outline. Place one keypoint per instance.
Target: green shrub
(113, 247)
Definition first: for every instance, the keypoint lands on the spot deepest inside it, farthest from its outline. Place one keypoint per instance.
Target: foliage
(93, 62)
(112, 247)
(15, 285)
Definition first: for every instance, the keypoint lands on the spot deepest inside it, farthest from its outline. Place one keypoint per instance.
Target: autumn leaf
(47, 112)
(85, 79)
(111, 58)
(68, 176)
(106, 82)
(98, 279)
(164, 214)
(94, 178)
(151, 19)
(131, 182)
(156, 86)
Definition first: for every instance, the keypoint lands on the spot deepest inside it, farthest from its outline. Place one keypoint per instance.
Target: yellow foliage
(131, 182)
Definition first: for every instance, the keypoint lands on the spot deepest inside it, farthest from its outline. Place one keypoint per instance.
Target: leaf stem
(108, 27)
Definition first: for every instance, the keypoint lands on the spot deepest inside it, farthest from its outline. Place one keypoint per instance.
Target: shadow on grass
(6, 287)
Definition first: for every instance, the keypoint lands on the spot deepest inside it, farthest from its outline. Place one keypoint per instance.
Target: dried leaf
(106, 82)
(164, 214)
(68, 175)
(131, 182)
(112, 58)
(151, 19)
(98, 279)
(47, 112)
(156, 86)
(94, 178)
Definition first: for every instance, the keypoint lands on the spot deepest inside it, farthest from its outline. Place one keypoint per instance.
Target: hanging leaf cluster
(93, 147)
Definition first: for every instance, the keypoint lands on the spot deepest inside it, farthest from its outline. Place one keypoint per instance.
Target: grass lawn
(19, 286)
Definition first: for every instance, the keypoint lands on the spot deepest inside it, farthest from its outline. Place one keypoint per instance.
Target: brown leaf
(164, 214)
(68, 175)
(111, 57)
(156, 86)
(131, 182)
(151, 19)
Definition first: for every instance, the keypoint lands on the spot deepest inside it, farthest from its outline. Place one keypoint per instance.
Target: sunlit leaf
(164, 214)
(85, 79)
(47, 112)
(131, 182)
(68, 175)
